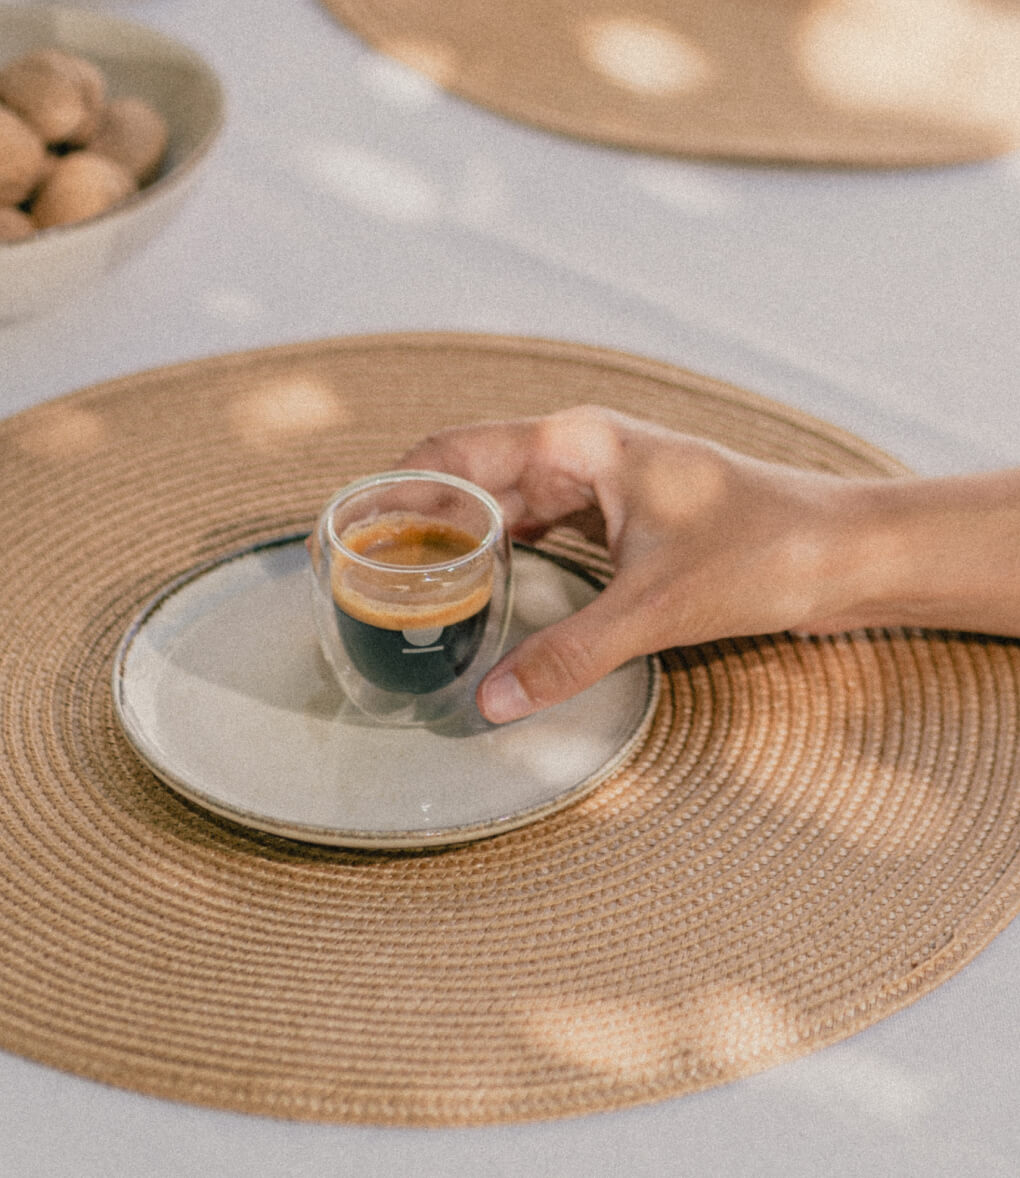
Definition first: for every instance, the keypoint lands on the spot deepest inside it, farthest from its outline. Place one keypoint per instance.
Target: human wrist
(887, 543)
(938, 552)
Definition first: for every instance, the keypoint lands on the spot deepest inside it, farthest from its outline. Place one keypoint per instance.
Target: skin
(708, 544)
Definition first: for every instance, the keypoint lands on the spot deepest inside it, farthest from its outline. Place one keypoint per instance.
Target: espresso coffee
(414, 618)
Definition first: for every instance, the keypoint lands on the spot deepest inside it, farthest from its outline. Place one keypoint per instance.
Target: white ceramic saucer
(220, 687)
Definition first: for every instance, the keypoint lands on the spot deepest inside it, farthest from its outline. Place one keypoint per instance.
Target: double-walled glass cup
(412, 592)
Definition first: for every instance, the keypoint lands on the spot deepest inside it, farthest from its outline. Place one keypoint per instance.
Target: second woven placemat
(859, 83)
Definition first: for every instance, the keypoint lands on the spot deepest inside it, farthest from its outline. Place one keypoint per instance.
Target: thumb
(560, 661)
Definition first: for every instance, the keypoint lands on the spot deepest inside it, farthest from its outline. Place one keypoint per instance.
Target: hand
(704, 542)
(707, 543)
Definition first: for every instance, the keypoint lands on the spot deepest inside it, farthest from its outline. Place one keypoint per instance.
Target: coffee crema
(409, 600)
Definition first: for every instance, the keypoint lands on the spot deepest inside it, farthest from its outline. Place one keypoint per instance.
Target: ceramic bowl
(63, 261)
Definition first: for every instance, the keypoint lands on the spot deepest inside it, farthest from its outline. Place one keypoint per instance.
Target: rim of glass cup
(370, 482)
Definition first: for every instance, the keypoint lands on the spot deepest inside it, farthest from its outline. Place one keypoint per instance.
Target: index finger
(509, 461)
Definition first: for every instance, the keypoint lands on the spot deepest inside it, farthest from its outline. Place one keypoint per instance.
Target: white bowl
(57, 263)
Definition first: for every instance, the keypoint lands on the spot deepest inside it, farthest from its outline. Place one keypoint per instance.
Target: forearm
(940, 553)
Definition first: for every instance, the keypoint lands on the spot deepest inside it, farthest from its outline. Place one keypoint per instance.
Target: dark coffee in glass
(419, 646)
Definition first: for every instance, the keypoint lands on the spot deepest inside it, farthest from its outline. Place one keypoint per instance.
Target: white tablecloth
(350, 196)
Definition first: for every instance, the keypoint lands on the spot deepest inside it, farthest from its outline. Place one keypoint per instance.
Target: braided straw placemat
(865, 83)
(814, 833)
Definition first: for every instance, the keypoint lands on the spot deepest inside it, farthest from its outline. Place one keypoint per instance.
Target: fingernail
(503, 699)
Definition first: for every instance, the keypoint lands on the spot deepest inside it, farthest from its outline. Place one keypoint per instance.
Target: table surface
(349, 196)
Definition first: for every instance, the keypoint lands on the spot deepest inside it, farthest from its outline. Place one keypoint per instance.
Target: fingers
(493, 456)
(562, 660)
(516, 463)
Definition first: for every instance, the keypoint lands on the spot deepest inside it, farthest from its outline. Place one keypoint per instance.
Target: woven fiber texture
(813, 833)
(867, 83)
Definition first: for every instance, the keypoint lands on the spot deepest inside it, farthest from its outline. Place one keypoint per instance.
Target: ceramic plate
(220, 687)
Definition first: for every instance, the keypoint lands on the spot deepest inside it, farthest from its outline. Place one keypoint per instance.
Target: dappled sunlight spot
(685, 186)
(643, 56)
(848, 1084)
(231, 304)
(678, 494)
(956, 57)
(585, 446)
(737, 1025)
(544, 596)
(625, 1040)
(728, 1031)
(62, 431)
(384, 187)
(264, 416)
(803, 554)
(435, 59)
(401, 84)
(565, 751)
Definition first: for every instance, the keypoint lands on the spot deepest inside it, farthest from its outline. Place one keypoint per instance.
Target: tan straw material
(879, 83)
(814, 833)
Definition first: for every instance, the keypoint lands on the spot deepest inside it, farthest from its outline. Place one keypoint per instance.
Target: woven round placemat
(813, 833)
(866, 83)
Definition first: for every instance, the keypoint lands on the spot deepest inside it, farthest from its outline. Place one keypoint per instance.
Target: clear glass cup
(412, 592)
